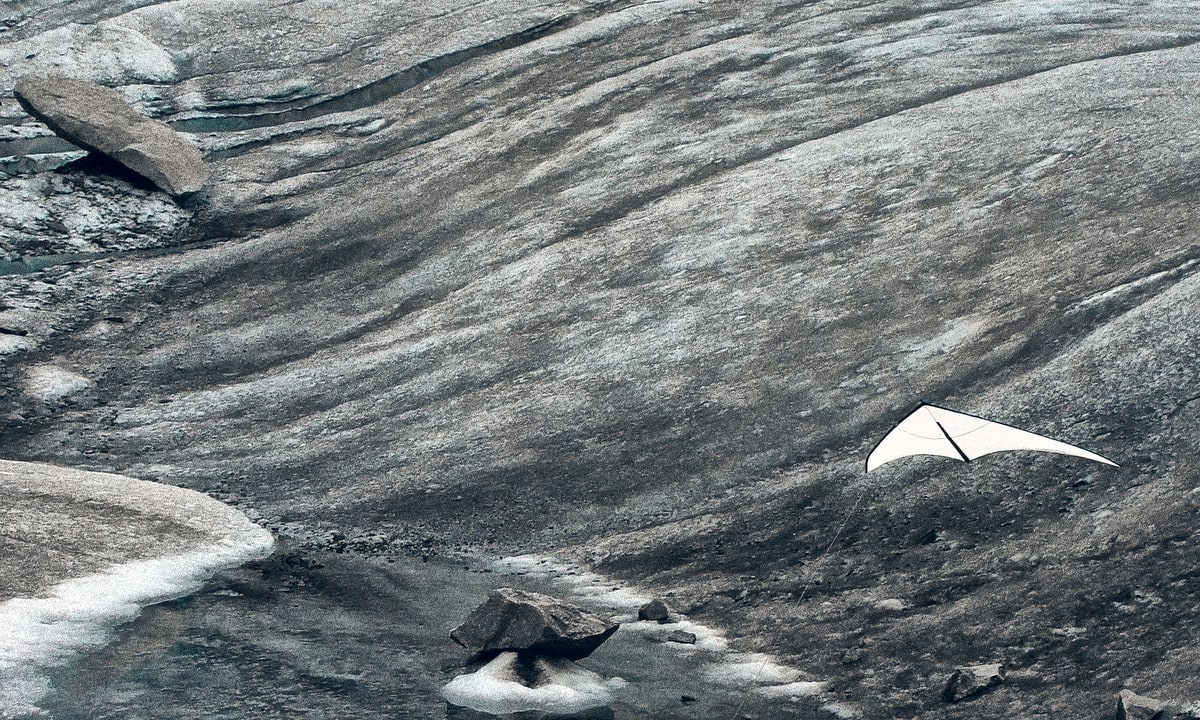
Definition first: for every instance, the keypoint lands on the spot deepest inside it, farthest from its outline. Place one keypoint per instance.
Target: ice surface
(41, 633)
(49, 383)
(106, 52)
(564, 687)
(739, 670)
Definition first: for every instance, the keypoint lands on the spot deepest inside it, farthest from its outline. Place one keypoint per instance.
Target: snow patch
(841, 710)
(563, 687)
(742, 669)
(106, 53)
(50, 383)
(45, 632)
(759, 671)
(591, 586)
(39, 634)
(13, 344)
(800, 688)
(954, 334)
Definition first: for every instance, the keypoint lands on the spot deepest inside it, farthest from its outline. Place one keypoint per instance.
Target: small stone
(682, 636)
(656, 609)
(972, 680)
(512, 619)
(1131, 706)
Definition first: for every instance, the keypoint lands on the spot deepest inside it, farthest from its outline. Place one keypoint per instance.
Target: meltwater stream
(349, 636)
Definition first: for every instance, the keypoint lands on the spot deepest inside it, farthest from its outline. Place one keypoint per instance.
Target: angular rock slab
(1131, 706)
(512, 619)
(972, 680)
(97, 118)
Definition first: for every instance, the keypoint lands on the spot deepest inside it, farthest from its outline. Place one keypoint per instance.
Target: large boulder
(97, 118)
(512, 619)
(1131, 706)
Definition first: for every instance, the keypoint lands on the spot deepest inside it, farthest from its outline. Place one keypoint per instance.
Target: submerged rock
(512, 619)
(972, 680)
(98, 119)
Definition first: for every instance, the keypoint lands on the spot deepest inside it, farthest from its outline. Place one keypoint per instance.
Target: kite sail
(933, 430)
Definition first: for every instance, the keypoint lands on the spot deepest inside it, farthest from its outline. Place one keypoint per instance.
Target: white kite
(933, 430)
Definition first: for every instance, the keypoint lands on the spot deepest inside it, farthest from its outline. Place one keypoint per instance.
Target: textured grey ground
(642, 283)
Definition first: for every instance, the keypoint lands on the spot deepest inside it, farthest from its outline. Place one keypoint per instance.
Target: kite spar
(933, 430)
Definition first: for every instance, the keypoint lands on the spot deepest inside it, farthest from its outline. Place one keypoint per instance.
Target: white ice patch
(738, 670)
(596, 588)
(741, 670)
(800, 688)
(12, 344)
(42, 633)
(841, 710)
(106, 52)
(38, 634)
(563, 687)
(50, 383)
(707, 639)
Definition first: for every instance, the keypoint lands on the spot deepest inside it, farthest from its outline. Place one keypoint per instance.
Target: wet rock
(1131, 706)
(972, 680)
(98, 119)
(512, 619)
(656, 609)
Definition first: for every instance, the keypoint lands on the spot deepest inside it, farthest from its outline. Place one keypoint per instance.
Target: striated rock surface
(512, 619)
(643, 283)
(98, 118)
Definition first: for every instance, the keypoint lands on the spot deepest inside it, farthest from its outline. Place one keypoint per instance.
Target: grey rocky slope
(642, 283)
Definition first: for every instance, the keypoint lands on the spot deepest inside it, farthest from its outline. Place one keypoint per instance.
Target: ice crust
(41, 633)
(564, 688)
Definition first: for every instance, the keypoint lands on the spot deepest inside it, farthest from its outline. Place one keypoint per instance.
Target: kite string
(804, 591)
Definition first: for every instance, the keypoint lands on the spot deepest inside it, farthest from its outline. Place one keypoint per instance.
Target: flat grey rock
(1131, 706)
(99, 119)
(512, 619)
(972, 680)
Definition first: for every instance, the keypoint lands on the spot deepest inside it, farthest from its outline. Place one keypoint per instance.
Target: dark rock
(682, 636)
(98, 119)
(512, 619)
(972, 680)
(656, 609)
(1131, 706)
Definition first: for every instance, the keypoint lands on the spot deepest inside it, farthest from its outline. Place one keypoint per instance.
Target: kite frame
(962, 455)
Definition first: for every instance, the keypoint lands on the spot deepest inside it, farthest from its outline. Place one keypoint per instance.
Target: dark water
(344, 636)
